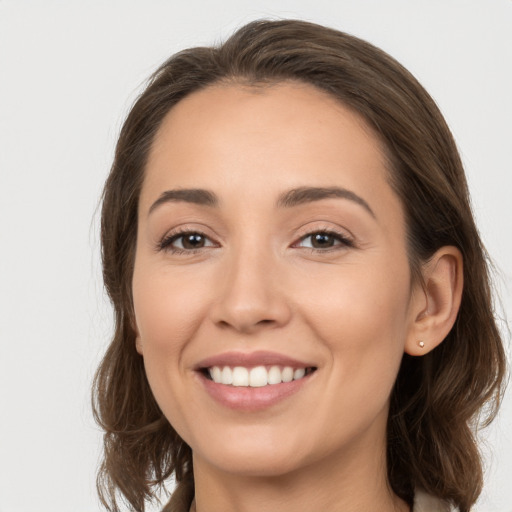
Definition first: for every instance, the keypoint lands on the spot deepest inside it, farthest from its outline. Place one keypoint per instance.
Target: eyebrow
(188, 195)
(303, 195)
(289, 199)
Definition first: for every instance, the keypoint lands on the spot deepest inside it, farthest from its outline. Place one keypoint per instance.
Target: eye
(185, 241)
(324, 240)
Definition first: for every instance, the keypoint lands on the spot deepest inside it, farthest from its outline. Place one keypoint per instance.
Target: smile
(256, 377)
(253, 381)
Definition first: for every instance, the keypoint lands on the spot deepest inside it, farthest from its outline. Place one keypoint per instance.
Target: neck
(352, 483)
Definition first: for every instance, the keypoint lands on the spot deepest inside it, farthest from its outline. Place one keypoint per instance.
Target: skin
(256, 284)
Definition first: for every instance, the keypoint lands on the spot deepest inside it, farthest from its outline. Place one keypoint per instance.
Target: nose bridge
(252, 293)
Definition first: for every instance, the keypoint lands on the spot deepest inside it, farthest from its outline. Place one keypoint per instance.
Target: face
(271, 285)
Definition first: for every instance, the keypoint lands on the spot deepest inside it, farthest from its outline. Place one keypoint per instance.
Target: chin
(251, 456)
(256, 464)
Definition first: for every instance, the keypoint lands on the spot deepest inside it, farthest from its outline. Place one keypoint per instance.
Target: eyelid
(312, 228)
(343, 240)
(165, 243)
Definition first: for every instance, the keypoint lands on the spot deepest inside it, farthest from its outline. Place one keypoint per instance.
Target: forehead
(254, 109)
(266, 139)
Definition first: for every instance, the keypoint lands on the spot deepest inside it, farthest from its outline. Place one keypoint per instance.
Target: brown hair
(437, 399)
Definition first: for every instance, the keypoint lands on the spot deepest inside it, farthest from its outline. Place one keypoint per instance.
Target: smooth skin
(259, 275)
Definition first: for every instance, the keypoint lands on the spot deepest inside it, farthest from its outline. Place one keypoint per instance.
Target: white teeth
(227, 375)
(240, 376)
(274, 375)
(299, 373)
(287, 374)
(216, 374)
(256, 377)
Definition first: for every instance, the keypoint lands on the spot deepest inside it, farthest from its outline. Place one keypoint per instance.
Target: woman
(303, 310)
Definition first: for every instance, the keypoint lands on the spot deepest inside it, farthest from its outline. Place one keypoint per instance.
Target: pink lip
(247, 398)
(249, 360)
(252, 399)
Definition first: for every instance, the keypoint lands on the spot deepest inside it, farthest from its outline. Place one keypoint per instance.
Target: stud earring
(421, 344)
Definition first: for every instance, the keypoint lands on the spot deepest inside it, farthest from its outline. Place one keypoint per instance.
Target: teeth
(299, 373)
(216, 373)
(240, 376)
(287, 374)
(274, 375)
(256, 377)
(227, 375)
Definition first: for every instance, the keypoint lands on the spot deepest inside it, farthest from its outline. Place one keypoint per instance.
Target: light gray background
(69, 70)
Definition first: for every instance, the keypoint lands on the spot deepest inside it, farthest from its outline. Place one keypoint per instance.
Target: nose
(252, 294)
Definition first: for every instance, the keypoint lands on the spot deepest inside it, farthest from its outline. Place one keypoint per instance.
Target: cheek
(168, 312)
(361, 314)
(359, 305)
(167, 308)
(361, 320)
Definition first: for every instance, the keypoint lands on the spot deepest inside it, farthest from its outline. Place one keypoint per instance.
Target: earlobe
(138, 340)
(436, 303)
(138, 345)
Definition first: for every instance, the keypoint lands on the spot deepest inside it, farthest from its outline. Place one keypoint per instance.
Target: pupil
(193, 241)
(322, 240)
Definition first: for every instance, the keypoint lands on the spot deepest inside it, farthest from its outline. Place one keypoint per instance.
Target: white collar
(424, 502)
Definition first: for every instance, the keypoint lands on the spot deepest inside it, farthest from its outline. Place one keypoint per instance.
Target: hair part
(437, 398)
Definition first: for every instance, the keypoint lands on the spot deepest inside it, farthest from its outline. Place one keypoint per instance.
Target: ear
(138, 340)
(138, 345)
(436, 301)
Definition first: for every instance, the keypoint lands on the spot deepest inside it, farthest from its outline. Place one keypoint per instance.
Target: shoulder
(424, 502)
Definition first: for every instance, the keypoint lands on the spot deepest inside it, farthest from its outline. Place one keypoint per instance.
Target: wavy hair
(436, 403)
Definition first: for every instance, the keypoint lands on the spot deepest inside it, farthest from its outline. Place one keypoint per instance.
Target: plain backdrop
(69, 70)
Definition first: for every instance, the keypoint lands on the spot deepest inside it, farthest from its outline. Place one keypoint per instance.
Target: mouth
(254, 381)
(255, 377)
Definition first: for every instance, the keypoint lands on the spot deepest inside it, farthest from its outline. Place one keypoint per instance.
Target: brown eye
(325, 240)
(187, 241)
(193, 241)
(321, 240)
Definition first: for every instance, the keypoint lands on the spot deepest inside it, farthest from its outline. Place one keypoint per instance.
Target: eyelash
(166, 243)
(344, 240)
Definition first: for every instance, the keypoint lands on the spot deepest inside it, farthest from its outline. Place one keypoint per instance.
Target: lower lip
(252, 399)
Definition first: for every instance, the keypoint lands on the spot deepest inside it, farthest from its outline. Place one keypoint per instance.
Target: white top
(423, 502)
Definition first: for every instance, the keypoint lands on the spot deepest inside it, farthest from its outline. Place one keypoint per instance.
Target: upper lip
(252, 359)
